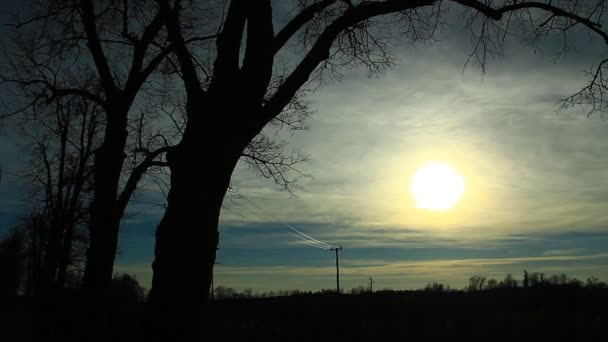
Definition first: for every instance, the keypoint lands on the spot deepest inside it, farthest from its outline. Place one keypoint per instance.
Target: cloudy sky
(536, 193)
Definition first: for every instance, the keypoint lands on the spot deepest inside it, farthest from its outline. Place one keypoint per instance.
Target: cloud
(559, 252)
(530, 168)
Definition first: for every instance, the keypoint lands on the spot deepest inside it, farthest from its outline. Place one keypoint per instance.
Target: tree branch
(229, 43)
(258, 60)
(99, 57)
(301, 19)
(189, 74)
(497, 13)
(320, 51)
(137, 174)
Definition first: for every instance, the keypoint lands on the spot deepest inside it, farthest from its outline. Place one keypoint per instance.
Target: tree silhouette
(508, 282)
(126, 291)
(237, 86)
(61, 141)
(103, 52)
(11, 264)
(476, 283)
(114, 56)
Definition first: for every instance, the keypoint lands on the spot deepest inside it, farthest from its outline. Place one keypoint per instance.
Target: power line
(244, 207)
(288, 225)
(307, 239)
(311, 243)
(225, 206)
(300, 234)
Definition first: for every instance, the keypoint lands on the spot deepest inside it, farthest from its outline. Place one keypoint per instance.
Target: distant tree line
(476, 283)
(533, 280)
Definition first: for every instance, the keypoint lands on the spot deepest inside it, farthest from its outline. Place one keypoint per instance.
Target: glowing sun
(437, 186)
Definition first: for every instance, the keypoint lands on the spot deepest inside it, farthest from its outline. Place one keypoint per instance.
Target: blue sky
(535, 199)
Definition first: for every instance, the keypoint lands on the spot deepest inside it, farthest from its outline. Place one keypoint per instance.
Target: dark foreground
(556, 314)
(493, 315)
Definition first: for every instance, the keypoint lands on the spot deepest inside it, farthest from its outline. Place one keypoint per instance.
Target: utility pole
(371, 284)
(337, 249)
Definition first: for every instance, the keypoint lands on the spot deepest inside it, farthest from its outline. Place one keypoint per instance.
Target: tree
(526, 281)
(60, 145)
(594, 283)
(114, 55)
(508, 282)
(492, 284)
(125, 291)
(537, 279)
(476, 283)
(435, 287)
(103, 52)
(233, 95)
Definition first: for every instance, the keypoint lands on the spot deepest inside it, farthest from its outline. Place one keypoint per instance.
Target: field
(556, 314)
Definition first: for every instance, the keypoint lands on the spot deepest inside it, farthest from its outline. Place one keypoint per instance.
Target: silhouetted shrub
(436, 287)
(125, 291)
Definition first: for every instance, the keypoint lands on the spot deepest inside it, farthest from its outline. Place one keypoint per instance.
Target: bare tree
(476, 283)
(61, 143)
(61, 137)
(104, 52)
(244, 85)
(112, 56)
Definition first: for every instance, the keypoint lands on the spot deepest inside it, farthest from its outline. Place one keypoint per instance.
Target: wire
(236, 212)
(310, 237)
(301, 236)
(307, 239)
(310, 243)
(244, 207)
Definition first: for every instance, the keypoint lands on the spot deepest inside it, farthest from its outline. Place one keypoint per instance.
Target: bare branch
(137, 174)
(301, 19)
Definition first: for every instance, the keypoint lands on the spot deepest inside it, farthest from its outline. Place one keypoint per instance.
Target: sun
(437, 186)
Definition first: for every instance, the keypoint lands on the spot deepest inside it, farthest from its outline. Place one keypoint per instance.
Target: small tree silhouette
(476, 283)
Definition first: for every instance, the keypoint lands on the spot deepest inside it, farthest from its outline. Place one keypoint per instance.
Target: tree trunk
(104, 228)
(50, 262)
(187, 240)
(66, 253)
(104, 217)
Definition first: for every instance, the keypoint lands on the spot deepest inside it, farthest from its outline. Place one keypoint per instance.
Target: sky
(535, 197)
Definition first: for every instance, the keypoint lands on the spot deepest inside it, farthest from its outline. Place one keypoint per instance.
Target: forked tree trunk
(186, 242)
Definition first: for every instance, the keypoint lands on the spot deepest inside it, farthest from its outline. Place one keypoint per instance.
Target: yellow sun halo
(437, 186)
